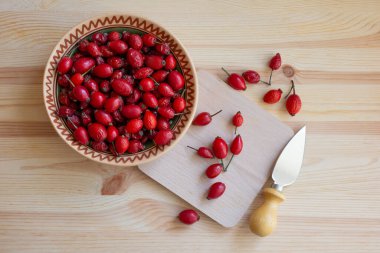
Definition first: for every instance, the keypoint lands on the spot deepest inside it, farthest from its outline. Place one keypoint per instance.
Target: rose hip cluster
(120, 90)
(219, 150)
(238, 82)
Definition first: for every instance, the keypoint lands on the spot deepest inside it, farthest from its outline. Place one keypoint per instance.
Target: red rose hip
(97, 132)
(214, 170)
(188, 216)
(235, 81)
(81, 136)
(216, 190)
(251, 76)
(163, 137)
(103, 70)
(203, 152)
(64, 65)
(204, 118)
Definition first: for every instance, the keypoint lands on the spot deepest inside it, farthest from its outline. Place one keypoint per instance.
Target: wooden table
(54, 200)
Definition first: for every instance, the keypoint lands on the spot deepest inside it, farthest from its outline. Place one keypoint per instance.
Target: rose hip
(147, 84)
(163, 124)
(235, 148)
(103, 117)
(118, 46)
(179, 104)
(237, 120)
(293, 101)
(103, 70)
(235, 81)
(134, 97)
(143, 73)
(81, 94)
(204, 118)
(251, 76)
(97, 132)
(134, 126)
(99, 38)
(131, 111)
(113, 36)
(216, 190)
(176, 80)
(166, 112)
(100, 146)
(214, 170)
(163, 137)
(83, 65)
(154, 62)
(220, 148)
(112, 133)
(150, 100)
(272, 96)
(112, 104)
(93, 49)
(135, 58)
(203, 152)
(165, 90)
(135, 146)
(150, 120)
(188, 216)
(91, 85)
(274, 64)
(122, 87)
(160, 75)
(104, 86)
(148, 40)
(170, 62)
(81, 136)
(163, 48)
(76, 79)
(97, 99)
(64, 65)
(135, 41)
(121, 144)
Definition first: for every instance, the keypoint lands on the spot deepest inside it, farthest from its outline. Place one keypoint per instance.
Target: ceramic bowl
(119, 23)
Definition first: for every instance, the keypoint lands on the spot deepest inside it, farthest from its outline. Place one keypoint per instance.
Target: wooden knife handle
(264, 219)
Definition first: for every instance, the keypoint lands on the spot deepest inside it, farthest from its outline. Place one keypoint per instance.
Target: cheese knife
(264, 219)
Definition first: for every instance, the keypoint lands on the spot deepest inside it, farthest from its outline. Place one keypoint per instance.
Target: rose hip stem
(291, 88)
(114, 148)
(154, 80)
(212, 115)
(68, 119)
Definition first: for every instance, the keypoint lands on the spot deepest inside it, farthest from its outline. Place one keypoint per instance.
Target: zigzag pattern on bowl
(91, 26)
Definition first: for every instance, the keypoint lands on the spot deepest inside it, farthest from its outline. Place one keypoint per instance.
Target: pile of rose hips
(293, 101)
(219, 150)
(120, 91)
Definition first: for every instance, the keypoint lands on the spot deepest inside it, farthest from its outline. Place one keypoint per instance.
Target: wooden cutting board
(181, 170)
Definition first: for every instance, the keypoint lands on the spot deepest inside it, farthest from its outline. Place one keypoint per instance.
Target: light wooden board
(182, 171)
(52, 199)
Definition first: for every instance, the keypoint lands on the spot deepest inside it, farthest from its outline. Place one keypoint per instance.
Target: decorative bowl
(120, 23)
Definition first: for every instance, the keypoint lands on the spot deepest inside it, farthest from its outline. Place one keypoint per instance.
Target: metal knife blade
(289, 162)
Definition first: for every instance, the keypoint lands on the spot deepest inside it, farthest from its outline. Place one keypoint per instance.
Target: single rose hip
(170, 62)
(81, 136)
(237, 120)
(122, 87)
(131, 111)
(293, 102)
(179, 104)
(103, 70)
(112, 133)
(214, 170)
(135, 41)
(125, 36)
(235, 148)
(116, 115)
(63, 81)
(97, 132)
(150, 120)
(83, 45)
(163, 137)
(220, 148)
(76, 79)
(73, 122)
(165, 90)
(106, 51)
(204, 118)
(135, 146)
(83, 65)
(115, 62)
(154, 61)
(216, 190)
(134, 97)
(113, 36)
(135, 58)
(63, 98)
(81, 94)
(93, 49)
(163, 48)
(176, 80)
(164, 102)
(148, 40)
(91, 85)
(97, 99)
(103, 117)
(134, 126)
(251, 76)
(85, 118)
(112, 104)
(163, 124)
(143, 73)
(118, 46)
(204, 152)
(146, 84)
(150, 100)
(272, 96)
(274, 64)
(166, 112)
(121, 144)
(235, 80)
(100, 146)
(64, 65)
(188, 216)
(160, 75)
(99, 38)
(104, 86)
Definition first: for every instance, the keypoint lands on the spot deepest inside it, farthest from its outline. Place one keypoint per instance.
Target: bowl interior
(68, 46)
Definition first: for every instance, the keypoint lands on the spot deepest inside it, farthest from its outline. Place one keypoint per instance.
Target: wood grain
(51, 198)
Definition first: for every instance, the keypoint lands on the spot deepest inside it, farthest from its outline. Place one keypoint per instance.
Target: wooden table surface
(54, 200)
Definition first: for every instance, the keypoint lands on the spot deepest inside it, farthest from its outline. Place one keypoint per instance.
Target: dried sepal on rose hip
(272, 96)
(216, 190)
(188, 216)
(236, 147)
(204, 118)
(235, 80)
(293, 101)
(204, 152)
(237, 120)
